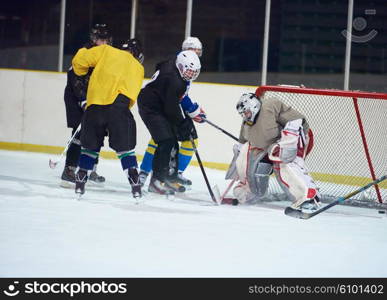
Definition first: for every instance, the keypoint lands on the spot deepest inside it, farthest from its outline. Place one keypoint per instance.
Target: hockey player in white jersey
(274, 138)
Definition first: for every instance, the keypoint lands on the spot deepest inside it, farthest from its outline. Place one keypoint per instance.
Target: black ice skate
(68, 177)
(182, 180)
(134, 181)
(95, 178)
(156, 186)
(80, 182)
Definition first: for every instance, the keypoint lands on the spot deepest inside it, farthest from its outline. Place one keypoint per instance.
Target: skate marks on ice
(273, 204)
(111, 194)
(118, 195)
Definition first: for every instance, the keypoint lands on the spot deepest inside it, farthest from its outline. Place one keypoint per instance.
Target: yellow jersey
(115, 72)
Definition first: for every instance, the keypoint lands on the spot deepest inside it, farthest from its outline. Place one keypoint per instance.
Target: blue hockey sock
(128, 159)
(186, 152)
(88, 158)
(147, 161)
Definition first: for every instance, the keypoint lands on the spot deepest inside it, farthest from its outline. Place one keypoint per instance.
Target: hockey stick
(222, 130)
(224, 200)
(227, 189)
(304, 215)
(203, 172)
(52, 163)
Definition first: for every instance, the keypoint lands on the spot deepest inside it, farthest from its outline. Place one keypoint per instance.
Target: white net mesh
(350, 139)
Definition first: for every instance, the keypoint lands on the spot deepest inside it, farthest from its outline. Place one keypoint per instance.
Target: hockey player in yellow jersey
(113, 89)
(75, 102)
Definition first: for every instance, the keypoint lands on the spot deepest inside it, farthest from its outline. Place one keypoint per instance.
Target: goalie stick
(295, 213)
(221, 199)
(52, 163)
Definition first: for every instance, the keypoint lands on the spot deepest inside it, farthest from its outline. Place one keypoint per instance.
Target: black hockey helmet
(100, 32)
(134, 46)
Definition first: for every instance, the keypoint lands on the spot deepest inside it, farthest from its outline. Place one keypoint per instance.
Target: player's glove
(198, 115)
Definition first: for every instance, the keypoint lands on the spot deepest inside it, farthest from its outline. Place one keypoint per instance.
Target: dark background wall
(306, 44)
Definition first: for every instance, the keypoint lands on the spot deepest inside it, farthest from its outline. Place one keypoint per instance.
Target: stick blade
(295, 213)
(52, 164)
(216, 191)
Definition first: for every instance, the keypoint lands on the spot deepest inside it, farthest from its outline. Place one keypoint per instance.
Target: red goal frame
(332, 92)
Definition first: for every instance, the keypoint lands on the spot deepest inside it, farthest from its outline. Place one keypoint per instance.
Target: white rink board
(32, 111)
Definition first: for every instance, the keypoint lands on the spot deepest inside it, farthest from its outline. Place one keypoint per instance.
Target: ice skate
(80, 182)
(134, 180)
(308, 205)
(156, 186)
(68, 177)
(95, 178)
(175, 185)
(182, 180)
(142, 177)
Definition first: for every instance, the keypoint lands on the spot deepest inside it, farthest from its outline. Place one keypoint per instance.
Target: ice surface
(46, 232)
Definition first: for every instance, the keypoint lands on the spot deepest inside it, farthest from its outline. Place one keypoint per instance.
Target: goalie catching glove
(285, 150)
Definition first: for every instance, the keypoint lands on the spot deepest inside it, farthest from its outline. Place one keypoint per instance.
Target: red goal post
(350, 137)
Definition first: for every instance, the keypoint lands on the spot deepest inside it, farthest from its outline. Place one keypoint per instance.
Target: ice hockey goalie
(274, 138)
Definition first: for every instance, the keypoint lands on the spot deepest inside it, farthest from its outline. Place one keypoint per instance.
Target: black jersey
(74, 93)
(164, 92)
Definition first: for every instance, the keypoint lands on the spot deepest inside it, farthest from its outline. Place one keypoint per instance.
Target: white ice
(46, 232)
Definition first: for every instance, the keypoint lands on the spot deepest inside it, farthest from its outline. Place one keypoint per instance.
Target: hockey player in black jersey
(75, 102)
(193, 110)
(160, 109)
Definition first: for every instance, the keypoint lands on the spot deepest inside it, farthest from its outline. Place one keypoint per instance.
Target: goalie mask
(134, 47)
(194, 44)
(248, 107)
(188, 64)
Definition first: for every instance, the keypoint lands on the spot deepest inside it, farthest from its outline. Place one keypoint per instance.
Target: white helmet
(248, 107)
(188, 64)
(192, 43)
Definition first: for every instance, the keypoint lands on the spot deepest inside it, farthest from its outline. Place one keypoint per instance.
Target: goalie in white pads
(277, 138)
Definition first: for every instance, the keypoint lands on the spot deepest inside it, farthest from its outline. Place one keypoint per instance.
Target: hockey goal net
(350, 138)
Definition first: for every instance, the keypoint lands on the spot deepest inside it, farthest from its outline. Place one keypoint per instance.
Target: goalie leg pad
(232, 169)
(240, 192)
(242, 162)
(296, 181)
(258, 173)
(243, 194)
